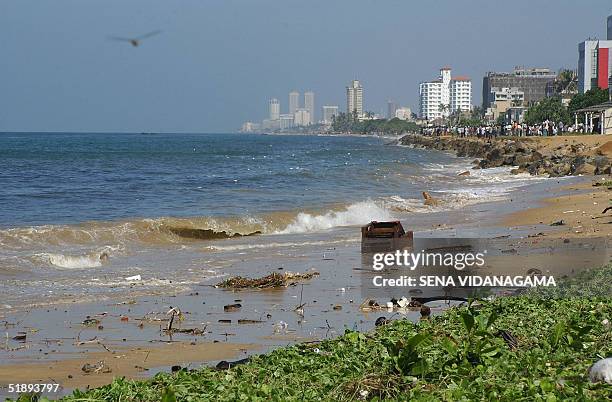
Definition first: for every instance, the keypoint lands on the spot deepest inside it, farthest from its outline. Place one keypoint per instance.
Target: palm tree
(443, 108)
(566, 82)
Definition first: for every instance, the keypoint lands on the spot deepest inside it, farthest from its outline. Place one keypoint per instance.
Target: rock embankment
(554, 156)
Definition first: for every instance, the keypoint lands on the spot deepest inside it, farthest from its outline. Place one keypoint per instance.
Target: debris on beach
(274, 280)
(247, 321)
(134, 278)
(558, 223)
(99, 367)
(232, 307)
(225, 365)
(90, 322)
(21, 337)
(466, 173)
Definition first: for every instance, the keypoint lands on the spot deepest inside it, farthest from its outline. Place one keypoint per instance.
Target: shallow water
(83, 212)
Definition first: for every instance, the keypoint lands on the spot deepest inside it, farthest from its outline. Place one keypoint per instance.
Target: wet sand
(135, 362)
(579, 206)
(131, 326)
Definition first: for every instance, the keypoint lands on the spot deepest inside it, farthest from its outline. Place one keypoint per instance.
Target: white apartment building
(444, 96)
(354, 98)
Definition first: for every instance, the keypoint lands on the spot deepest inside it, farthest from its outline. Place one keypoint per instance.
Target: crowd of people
(545, 129)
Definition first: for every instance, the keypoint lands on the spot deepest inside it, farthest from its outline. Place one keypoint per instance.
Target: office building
(274, 106)
(354, 99)
(503, 99)
(594, 66)
(329, 112)
(309, 104)
(294, 101)
(531, 81)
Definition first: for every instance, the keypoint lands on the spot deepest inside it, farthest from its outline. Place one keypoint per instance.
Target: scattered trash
(99, 367)
(466, 173)
(403, 302)
(245, 321)
(21, 336)
(384, 236)
(380, 321)
(601, 371)
(425, 311)
(509, 338)
(225, 321)
(274, 280)
(558, 223)
(225, 365)
(124, 318)
(280, 327)
(134, 278)
(175, 368)
(140, 368)
(232, 307)
(90, 322)
(337, 307)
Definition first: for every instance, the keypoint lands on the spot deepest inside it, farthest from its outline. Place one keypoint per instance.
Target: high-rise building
(309, 104)
(445, 95)
(274, 109)
(531, 81)
(391, 108)
(354, 98)
(294, 101)
(301, 117)
(594, 66)
(610, 28)
(328, 114)
(286, 121)
(460, 94)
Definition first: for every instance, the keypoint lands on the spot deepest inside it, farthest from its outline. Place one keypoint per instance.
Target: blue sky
(217, 62)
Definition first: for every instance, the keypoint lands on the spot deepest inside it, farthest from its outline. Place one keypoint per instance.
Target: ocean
(81, 212)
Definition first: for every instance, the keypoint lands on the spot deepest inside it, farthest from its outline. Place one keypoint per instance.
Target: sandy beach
(67, 338)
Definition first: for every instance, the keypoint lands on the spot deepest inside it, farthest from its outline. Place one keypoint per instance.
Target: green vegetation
(537, 346)
(591, 97)
(548, 109)
(344, 123)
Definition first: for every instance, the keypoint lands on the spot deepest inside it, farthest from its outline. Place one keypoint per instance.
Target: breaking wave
(355, 214)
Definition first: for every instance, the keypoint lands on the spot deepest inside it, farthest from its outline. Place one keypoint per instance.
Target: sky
(217, 62)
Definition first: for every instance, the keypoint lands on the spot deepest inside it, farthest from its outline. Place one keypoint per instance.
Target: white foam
(355, 214)
(73, 261)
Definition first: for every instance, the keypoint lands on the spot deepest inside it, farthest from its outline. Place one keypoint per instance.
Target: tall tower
(309, 104)
(274, 109)
(294, 101)
(445, 77)
(354, 98)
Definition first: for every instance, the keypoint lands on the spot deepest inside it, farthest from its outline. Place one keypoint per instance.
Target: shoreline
(267, 337)
(204, 309)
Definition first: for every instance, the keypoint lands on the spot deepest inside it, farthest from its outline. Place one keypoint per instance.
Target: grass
(464, 354)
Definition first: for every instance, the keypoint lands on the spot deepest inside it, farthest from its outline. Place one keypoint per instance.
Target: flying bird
(136, 41)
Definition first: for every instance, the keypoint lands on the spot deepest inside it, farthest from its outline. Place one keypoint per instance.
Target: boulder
(585, 169)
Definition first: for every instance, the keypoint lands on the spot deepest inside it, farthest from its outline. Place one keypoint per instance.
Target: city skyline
(188, 80)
